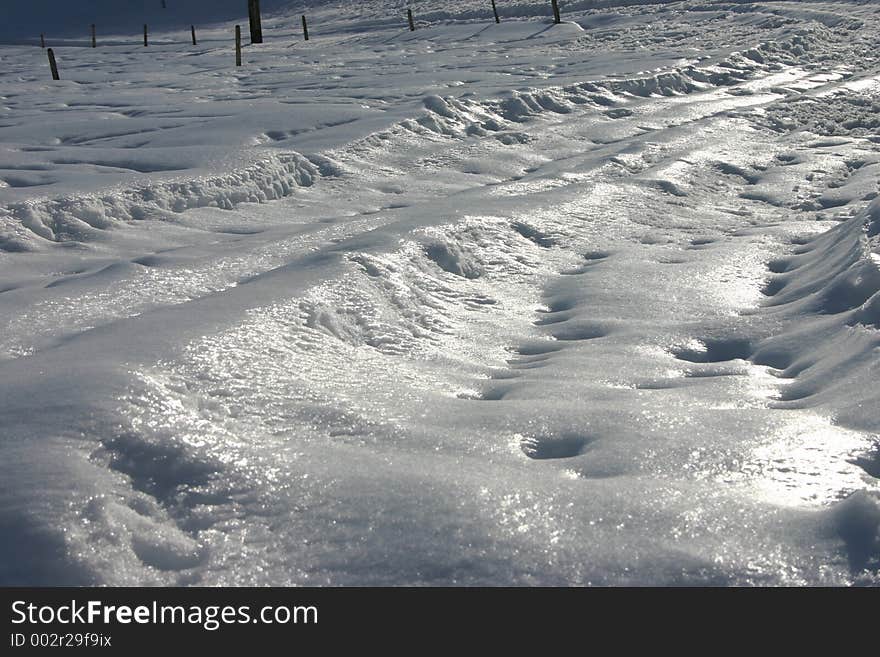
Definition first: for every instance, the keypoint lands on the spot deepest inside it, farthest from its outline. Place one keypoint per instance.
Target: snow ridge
(80, 218)
(23, 226)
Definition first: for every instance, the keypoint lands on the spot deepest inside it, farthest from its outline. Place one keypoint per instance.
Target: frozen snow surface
(516, 304)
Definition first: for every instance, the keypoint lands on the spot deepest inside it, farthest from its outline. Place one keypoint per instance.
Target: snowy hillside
(495, 304)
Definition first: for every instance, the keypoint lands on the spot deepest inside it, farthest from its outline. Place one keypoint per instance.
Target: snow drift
(479, 305)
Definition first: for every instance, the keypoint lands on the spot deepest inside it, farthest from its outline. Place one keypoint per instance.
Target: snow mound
(857, 521)
(829, 291)
(81, 218)
(838, 272)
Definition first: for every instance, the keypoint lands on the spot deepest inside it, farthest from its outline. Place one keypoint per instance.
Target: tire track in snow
(447, 123)
(578, 451)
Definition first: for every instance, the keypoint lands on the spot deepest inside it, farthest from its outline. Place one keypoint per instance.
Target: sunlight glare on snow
(809, 461)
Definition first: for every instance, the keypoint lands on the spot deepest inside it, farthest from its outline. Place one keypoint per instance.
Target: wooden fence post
(495, 11)
(256, 22)
(556, 17)
(53, 65)
(146, 38)
(193, 30)
(259, 21)
(305, 28)
(412, 25)
(94, 37)
(238, 45)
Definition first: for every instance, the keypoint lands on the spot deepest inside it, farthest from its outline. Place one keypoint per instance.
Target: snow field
(595, 331)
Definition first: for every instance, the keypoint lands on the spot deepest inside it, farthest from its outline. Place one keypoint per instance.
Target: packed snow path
(620, 327)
